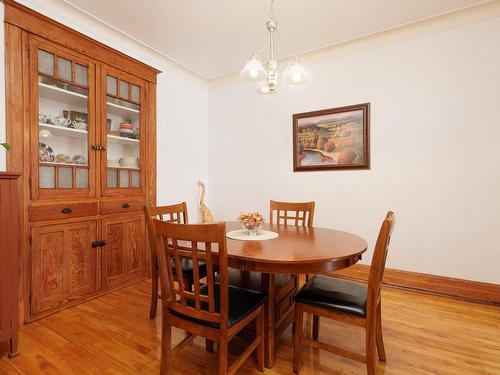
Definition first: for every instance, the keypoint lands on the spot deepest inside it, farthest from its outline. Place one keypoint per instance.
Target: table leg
(268, 283)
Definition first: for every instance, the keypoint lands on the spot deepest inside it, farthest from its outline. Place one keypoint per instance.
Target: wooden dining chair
(348, 302)
(288, 213)
(175, 213)
(302, 214)
(284, 286)
(213, 310)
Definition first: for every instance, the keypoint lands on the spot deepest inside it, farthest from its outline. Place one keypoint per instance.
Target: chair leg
(166, 334)
(223, 353)
(260, 333)
(297, 338)
(209, 345)
(371, 348)
(154, 291)
(380, 340)
(315, 332)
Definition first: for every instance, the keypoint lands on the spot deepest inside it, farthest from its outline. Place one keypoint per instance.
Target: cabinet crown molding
(45, 27)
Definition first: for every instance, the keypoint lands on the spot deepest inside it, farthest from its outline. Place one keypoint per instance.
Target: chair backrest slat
(193, 242)
(175, 213)
(303, 213)
(380, 256)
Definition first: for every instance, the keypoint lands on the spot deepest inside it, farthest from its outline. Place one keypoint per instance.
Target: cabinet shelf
(61, 95)
(122, 140)
(55, 164)
(125, 168)
(61, 131)
(122, 111)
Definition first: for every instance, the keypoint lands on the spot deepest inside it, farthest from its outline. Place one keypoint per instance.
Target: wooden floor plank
(112, 335)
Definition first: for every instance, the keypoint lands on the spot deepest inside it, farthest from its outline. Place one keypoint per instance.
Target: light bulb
(295, 74)
(253, 70)
(264, 89)
(296, 77)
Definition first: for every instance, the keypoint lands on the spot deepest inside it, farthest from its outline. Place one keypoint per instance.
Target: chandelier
(254, 70)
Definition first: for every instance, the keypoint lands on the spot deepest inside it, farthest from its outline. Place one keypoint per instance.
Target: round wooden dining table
(296, 250)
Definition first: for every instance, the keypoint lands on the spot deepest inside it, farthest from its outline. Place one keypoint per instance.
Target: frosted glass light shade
(253, 70)
(296, 74)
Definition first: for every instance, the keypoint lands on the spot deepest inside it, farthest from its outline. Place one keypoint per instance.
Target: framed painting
(336, 138)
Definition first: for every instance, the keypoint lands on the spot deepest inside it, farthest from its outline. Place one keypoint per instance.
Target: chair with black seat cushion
(175, 213)
(348, 302)
(213, 310)
(285, 285)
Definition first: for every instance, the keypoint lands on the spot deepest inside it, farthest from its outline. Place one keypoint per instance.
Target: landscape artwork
(336, 138)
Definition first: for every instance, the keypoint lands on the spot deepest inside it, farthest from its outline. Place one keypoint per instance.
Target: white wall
(434, 141)
(182, 113)
(182, 141)
(435, 130)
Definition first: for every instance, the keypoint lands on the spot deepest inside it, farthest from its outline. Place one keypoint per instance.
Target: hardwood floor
(112, 335)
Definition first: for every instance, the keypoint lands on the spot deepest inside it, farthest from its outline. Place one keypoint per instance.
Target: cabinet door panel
(123, 131)
(64, 264)
(63, 122)
(123, 256)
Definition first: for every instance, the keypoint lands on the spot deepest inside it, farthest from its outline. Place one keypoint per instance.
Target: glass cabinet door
(123, 132)
(63, 129)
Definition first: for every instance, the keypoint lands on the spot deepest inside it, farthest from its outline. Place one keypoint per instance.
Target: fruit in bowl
(252, 222)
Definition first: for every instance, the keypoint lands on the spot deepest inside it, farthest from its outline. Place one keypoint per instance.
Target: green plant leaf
(5, 145)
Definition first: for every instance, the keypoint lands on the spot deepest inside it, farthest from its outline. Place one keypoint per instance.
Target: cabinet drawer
(121, 205)
(62, 210)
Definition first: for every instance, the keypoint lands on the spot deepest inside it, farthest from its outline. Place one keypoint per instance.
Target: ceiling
(213, 38)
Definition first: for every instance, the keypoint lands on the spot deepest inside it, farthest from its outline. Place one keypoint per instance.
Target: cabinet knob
(66, 210)
(95, 244)
(102, 243)
(125, 205)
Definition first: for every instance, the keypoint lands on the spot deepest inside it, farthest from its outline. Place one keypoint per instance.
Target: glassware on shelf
(123, 112)
(62, 122)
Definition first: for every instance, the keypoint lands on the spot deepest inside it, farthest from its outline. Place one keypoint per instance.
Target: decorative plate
(244, 235)
(79, 159)
(45, 153)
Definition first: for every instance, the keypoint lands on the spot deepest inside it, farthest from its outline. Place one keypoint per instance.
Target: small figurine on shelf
(126, 129)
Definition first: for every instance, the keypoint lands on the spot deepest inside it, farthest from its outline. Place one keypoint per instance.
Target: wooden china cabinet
(81, 121)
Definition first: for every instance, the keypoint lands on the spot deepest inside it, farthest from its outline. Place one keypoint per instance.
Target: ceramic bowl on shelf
(137, 133)
(79, 159)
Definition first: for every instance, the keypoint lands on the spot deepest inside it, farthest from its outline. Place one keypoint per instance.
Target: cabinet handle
(103, 147)
(95, 244)
(66, 210)
(102, 243)
(126, 205)
(94, 147)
